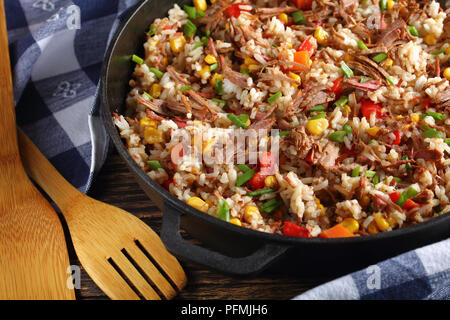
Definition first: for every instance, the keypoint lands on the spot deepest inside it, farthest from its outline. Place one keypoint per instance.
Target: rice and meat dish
(357, 90)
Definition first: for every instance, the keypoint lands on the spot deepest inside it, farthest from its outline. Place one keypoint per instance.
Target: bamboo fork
(118, 251)
(34, 262)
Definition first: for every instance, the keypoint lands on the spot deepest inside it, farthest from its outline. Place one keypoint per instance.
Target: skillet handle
(251, 264)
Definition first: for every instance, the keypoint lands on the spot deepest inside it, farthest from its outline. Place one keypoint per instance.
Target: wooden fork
(123, 256)
(34, 260)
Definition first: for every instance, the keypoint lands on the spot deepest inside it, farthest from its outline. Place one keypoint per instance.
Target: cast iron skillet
(226, 247)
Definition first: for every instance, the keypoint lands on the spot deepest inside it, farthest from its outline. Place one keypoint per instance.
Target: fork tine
(151, 271)
(167, 262)
(135, 277)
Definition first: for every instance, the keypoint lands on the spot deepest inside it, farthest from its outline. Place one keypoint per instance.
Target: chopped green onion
(383, 5)
(347, 128)
(137, 60)
(432, 133)
(198, 45)
(236, 120)
(319, 116)
(337, 136)
(185, 88)
(223, 211)
(355, 172)
(219, 100)
(154, 164)
(364, 79)
(298, 17)
(396, 179)
(388, 79)
(152, 31)
(436, 53)
(447, 141)
(208, 33)
(319, 107)
(189, 28)
(362, 45)
(201, 14)
(274, 97)
(244, 117)
(259, 192)
(157, 73)
(245, 71)
(246, 176)
(271, 205)
(275, 45)
(411, 193)
(435, 115)
(370, 173)
(380, 57)
(341, 102)
(191, 12)
(375, 180)
(284, 133)
(213, 67)
(148, 95)
(219, 86)
(243, 167)
(413, 31)
(346, 69)
(408, 165)
(408, 194)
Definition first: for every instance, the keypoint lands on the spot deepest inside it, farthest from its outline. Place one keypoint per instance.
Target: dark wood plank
(115, 185)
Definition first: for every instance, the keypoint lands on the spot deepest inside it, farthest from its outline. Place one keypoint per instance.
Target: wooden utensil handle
(43, 172)
(8, 138)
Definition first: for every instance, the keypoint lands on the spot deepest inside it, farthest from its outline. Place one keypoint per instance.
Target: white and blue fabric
(57, 48)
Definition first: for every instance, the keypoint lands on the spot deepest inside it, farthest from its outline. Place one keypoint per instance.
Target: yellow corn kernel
(317, 200)
(372, 228)
(390, 4)
(283, 17)
(236, 222)
(321, 35)
(388, 62)
(210, 59)
(317, 127)
(297, 78)
(406, 127)
(215, 77)
(147, 122)
(253, 67)
(212, 1)
(248, 122)
(447, 51)
(430, 39)
(289, 45)
(207, 146)
(248, 61)
(204, 73)
(373, 131)
(399, 117)
(347, 108)
(177, 44)
(392, 222)
(198, 204)
(200, 5)
(415, 117)
(227, 26)
(251, 214)
(270, 181)
(351, 224)
(155, 90)
(164, 61)
(381, 222)
(447, 73)
(153, 43)
(153, 135)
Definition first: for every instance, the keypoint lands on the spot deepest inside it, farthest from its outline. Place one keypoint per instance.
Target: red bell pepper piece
(397, 139)
(257, 181)
(338, 231)
(368, 107)
(166, 184)
(337, 87)
(293, 230)
(235, 10)
(310, 157)
(426, 103)
(394, 196)
(303, 4)
(410, 204)
(307, 45)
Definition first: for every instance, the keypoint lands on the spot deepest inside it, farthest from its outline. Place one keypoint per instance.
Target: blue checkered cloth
(57, 48)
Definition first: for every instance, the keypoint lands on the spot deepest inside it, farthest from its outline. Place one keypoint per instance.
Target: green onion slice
(154, 164)
(436, 115)
(347, 128)
(152, 31)
(346, 69)
(189, 28)
(370, 173)
(436, 53)
(136, 59)
(355, 172)
(362, 45)
(274, 97)
(337, 136)
(341, 102)
(380, 57)
(284, 133)
(271, 205)
(383, 5)
(214, 66)
(219, 101)
(236, 120)
(298, 17)
(319, 116)
(389, 80)
(223, 211)
(375, 180)
(191, 12)
(319, 107)
(432, 133)
(243, 167)
(157, 73)
(259, 192)
(413, 31)
(246, 176)
(219, 86)
(185, 88)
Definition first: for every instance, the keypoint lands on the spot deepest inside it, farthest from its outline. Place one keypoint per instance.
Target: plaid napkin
(57, 48)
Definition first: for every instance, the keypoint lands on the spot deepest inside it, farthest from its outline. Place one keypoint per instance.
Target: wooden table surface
(115, 185)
